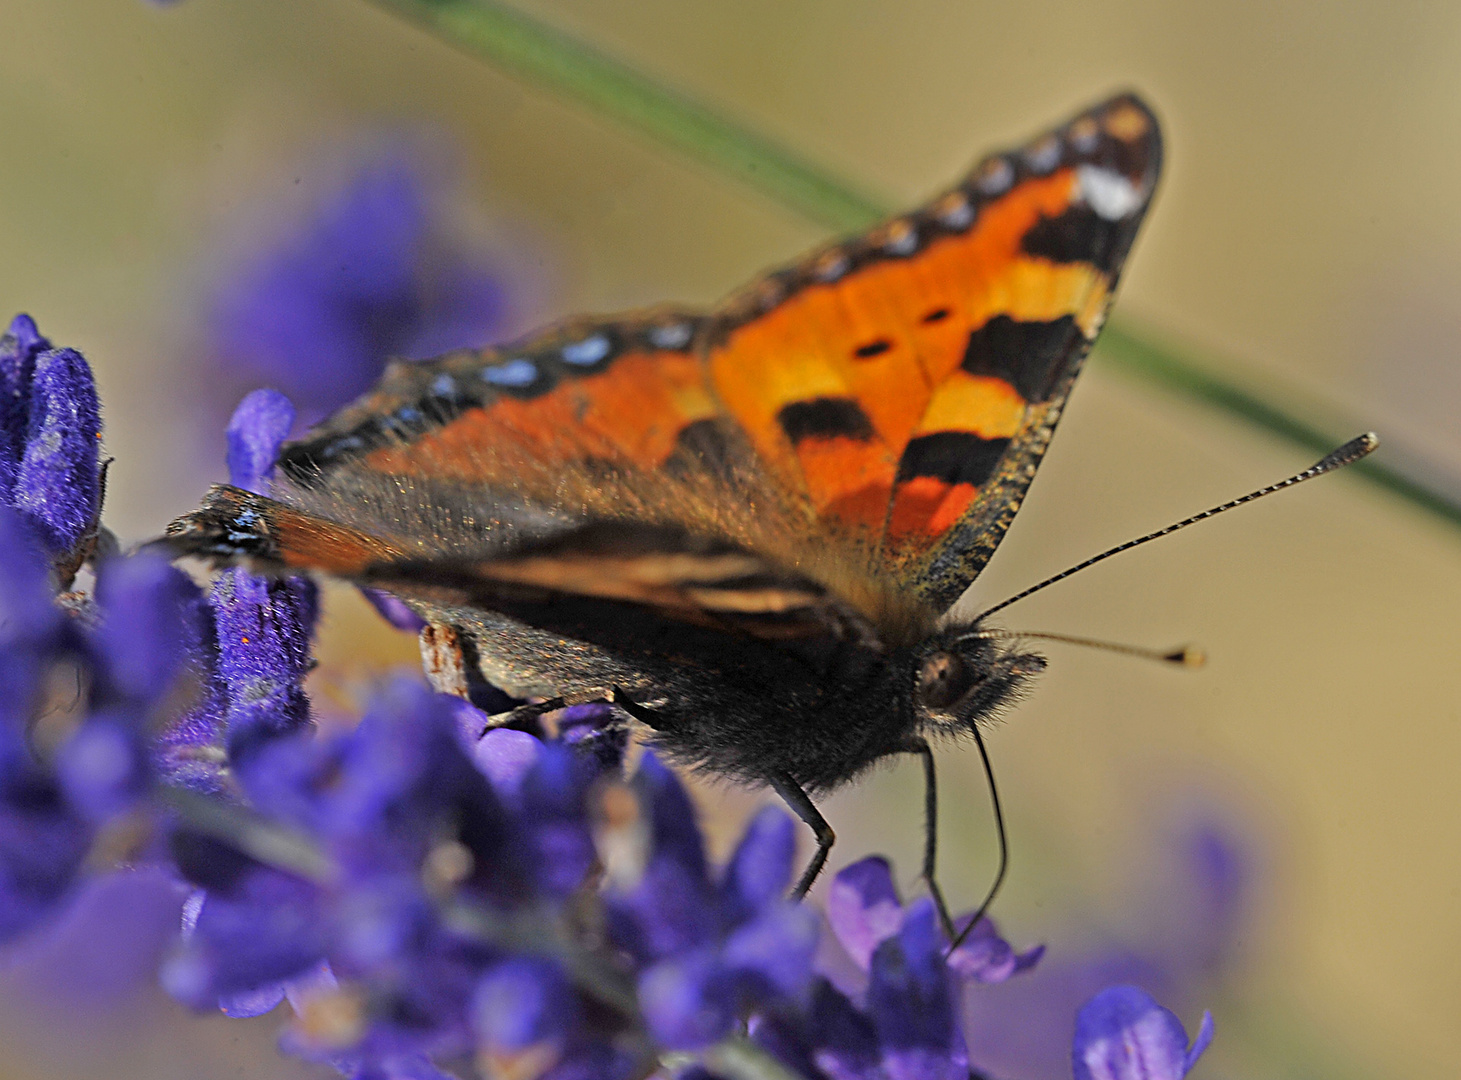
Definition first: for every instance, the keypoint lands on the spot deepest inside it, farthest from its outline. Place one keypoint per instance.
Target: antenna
(1004, 845)
(1185, 655)
(1347, 454)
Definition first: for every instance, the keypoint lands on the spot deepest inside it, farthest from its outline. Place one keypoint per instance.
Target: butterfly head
(962, 676)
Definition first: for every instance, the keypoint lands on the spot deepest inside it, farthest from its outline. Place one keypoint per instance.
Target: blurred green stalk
(552, 60)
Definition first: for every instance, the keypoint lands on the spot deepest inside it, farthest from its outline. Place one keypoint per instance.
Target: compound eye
(942, 680)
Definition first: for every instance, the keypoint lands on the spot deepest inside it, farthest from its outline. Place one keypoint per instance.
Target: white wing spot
(1043, 156)
(1108, 193)
(518, 372)
(675, 335)
(995, 177)
(444, 386)
(1084, 134)
(588, 351)
(769, 293)
(954, 211)
(831, 266)
(902, 239)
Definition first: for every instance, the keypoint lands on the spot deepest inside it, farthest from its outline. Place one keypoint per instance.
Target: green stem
(554, 61)
(1158, 366)
(257, 837)
(737, 1058)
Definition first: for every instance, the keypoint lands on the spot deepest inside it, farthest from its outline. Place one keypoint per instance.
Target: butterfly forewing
(907, 382)
(592, 419)
(864, 422)
(615, 392)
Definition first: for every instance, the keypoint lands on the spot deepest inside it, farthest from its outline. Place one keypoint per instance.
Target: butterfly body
(743, 526)
(746, 709)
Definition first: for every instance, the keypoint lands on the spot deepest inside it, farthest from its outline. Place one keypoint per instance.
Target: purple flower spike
(150, 613)
(760, 870)
(404, 783)
(912, 1002)
(552, 805)
(394, 610)
(1219, 868)
(42, 844)
(684, 1001)
(772, 956)
(19, 347)
(257, 429)
(594, 728)
(863, 908)
(369, 278)
(846, 1043)
(1123, 1034)
(506, 756)
(264, 629)
(983, 956)
(103, 766)
(253, 927)
(672, 909)
(28, 616)
(523, 1003)
(676, 835)
(58, 485)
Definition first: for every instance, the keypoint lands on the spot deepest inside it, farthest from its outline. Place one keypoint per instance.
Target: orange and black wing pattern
(594, 569)
(619, 392)
(868, 419)
(907, 382)
(592, 419)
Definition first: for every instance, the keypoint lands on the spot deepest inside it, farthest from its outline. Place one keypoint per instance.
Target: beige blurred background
(1308, 231)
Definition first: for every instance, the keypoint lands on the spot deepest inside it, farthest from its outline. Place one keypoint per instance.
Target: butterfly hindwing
(907, 382)
(611, 569)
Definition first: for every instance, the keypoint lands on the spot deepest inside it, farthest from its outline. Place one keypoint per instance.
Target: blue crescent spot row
(432, 393)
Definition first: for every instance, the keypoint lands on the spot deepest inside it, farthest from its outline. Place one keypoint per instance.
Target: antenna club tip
(1188, 656)
(1360, 446)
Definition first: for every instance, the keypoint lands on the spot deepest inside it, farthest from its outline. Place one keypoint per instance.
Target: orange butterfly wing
(907, 382)
(620, 392)
(869, 418)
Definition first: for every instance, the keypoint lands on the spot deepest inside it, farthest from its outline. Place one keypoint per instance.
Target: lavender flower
(125, 650)
(256, 431)
(420, 861)
(262, 626)
(1122, 1034)
(19, 347)
(1177, 939)
(896, 1014)
(56, 795)
(711, 951)
(50, 424)
(864, 909)
(58, 484)
(427, 888)
(371, 277)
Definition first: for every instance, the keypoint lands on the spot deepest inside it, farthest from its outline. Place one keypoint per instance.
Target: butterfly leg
(452, 666)
(920, 747)
(793, 795)
(443, 659)
(524, 717)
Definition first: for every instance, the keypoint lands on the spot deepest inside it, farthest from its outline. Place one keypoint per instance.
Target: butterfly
(743, 527)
